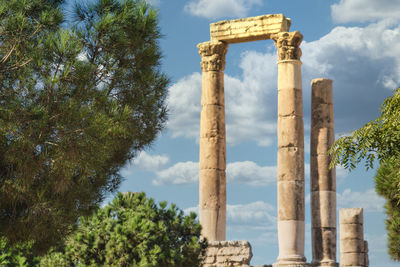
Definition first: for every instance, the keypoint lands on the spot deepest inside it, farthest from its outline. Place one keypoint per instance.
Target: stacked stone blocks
(228, 254)
(353, 248)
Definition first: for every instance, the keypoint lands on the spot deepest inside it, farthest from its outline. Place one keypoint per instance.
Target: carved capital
(288, 44)
(212, 55)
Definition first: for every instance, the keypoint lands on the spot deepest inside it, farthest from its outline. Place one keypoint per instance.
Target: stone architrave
(212, 177)
(290, 151)
(352, 244)
(249, 29)
(323, 180)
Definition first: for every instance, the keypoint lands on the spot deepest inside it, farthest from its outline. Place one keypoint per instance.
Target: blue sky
(354, 42)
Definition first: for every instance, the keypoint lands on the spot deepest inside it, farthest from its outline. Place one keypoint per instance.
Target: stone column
(323, 180)
(352, 250)
(290, 151)
(212, 179)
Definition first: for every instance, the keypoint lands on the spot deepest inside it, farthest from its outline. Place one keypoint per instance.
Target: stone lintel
(249, 29)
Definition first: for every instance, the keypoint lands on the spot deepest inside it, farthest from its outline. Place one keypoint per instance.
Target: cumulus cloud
(257, 215)
(180, 173)
(368, 200)
(363, 66)
(245, 172)
(248, 172)
(365, 10)
(213, 9)
(184, 105)
(249, 102)
(146, 162)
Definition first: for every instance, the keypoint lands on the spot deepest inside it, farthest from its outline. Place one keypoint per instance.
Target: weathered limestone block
(290, 103)
(350, 231)
(326, 203)
(353, 248)
(212, 122)
(352, 245)
(213, 153)
(288, 159)
(318, 168)
(249, 29)
(322, 116)
(212, 184)
(351, 216)
(213, 88)
(326, 252)
(352, 259)
(289, 75)
(321, 139)
(290, 132)
(228, 253)
(291, 200)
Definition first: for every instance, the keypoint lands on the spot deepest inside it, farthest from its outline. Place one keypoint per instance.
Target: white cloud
(257, 215)
(180, 173)
(246, 172)
(365, 10)
(367, 200)
(213, 9)
(184, 105)
(362, 64)
(249, 102)
(146, 162)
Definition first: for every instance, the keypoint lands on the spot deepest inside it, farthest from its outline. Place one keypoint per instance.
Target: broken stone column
(290, 151)
(323, 180)
(352, 245)
(212, 179)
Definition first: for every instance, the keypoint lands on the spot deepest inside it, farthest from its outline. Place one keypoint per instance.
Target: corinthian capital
(212, 55)
(288, 44)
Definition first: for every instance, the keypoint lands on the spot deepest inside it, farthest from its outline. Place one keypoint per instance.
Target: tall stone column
(323, 180)
(290, 151)
(212, 178)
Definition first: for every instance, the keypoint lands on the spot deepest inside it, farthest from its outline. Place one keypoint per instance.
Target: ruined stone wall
(228, 254)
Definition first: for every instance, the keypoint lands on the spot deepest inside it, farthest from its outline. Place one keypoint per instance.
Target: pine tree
(79, 98)
(133, 231)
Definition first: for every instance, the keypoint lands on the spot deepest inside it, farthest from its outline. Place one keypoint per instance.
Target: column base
(291, 264)
(324, 264)
(295, 261)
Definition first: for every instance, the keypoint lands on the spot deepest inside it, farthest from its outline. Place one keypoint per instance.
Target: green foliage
(387, 180)
(133, 231)
(17, 255)
(378, 139)
(76, 103)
